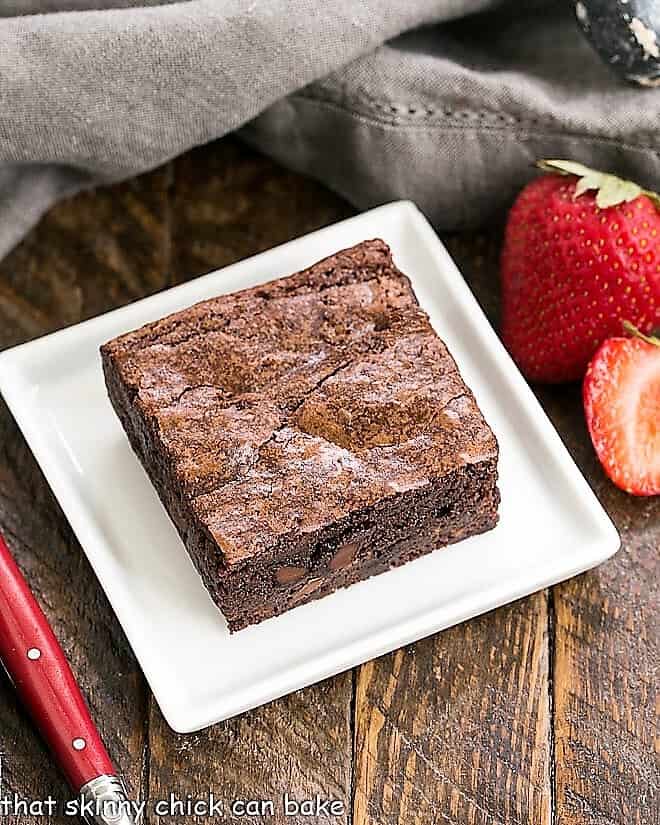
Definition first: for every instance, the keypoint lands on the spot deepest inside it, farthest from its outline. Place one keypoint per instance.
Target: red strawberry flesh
(622, 406)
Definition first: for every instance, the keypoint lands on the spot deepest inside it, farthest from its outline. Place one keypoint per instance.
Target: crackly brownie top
(284, 407)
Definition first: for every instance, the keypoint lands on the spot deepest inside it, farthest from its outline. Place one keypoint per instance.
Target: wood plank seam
(353, 718)
(551, 703)
(145, 772)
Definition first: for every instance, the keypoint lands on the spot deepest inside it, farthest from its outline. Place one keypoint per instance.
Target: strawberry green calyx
(635, 333)
(610, 190)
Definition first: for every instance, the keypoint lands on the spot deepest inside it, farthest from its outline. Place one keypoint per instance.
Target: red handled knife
(36, 665)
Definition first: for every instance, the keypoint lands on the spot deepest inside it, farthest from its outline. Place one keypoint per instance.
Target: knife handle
(44, 682)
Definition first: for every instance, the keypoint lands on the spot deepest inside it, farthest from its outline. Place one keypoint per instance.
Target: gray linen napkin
(450, 114)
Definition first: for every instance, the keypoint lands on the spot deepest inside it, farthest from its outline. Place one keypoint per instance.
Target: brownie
(305, 434)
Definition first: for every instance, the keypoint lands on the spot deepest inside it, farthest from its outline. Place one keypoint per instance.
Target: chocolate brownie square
(305, 434)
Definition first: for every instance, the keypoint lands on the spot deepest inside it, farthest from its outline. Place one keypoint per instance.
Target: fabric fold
(455, 116)
(449, 114)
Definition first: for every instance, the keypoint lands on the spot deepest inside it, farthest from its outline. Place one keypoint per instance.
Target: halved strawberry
(621, 394)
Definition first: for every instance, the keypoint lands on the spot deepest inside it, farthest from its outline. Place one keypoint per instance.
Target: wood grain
(607, 657)
(81, 260)
(300, 745)
(228, 203)
(457, 727)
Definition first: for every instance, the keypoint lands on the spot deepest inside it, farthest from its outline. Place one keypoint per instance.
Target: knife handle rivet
(34, 653)
(79, 744)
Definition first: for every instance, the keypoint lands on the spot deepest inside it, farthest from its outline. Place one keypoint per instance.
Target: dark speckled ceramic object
(626, 34)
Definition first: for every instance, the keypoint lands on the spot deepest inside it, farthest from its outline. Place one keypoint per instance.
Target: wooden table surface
(544, 711)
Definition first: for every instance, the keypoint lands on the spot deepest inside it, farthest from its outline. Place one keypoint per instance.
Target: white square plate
(551, 527)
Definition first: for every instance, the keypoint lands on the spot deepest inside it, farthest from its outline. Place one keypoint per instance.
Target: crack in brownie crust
(305, 434)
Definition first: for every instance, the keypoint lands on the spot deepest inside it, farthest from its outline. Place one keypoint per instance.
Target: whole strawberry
(581, 253)
(621, 393)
